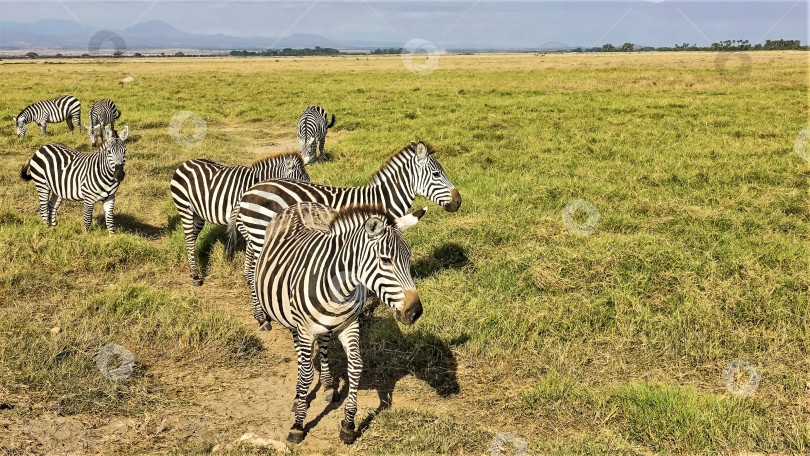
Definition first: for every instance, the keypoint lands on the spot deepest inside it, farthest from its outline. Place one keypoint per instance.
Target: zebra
(410, 172)
(205, 191)
(60, 172)
(312, 128)
(315, 271)
(103, 112)
(66, 108)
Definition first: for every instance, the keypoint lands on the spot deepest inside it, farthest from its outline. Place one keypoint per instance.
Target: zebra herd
(313, 253)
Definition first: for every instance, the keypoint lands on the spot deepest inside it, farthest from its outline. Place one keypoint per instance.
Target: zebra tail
(25, 172)
(333, 122)
(235, 240)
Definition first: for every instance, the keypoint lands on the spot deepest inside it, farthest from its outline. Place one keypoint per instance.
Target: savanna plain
(608, 343)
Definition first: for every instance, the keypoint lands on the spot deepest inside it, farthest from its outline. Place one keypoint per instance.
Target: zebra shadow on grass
(389, 355)
(127, 223)
(447, 256)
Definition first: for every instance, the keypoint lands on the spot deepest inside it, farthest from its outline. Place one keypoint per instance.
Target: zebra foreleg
(303, 347)
(350, 338)
(327, 383)
(43, 127)
(109, 205)
(88, 214)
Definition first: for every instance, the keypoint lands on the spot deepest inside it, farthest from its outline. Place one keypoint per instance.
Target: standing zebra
(60, 172)
(410, 172)
(66, 109)
(316, 269)
(205, 191)
(103, 112)
(312, 130)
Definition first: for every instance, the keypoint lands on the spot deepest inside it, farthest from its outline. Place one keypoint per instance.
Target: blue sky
(519, 24)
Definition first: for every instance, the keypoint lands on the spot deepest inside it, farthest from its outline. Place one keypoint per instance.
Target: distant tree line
(287, 52)
(727, 45)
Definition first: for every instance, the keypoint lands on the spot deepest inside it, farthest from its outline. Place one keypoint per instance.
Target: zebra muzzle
(411, 308)
(119, 173)
(455, 201)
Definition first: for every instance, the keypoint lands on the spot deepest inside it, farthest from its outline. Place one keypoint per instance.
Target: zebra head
(308, 150)
(20, 123)
(294, 168)
(387, 271)
(116, 151)
(94, 133)
(430, 181)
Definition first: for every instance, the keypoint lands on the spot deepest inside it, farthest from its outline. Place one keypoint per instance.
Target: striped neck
(393, 183)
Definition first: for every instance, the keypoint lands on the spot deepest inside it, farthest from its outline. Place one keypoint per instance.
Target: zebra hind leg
(303, 348)
(44, 205)
(54, 201)
(191, 229)
(258, 311)
(327, 383)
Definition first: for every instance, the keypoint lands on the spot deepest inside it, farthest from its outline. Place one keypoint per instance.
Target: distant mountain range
(73, 36)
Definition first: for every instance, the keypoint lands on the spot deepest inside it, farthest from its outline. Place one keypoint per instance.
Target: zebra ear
(421, 152)
(289, 164)
(14, 118)
(375, 226)
(124, 133)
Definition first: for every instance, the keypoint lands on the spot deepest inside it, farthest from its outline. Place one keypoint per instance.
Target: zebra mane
(409, 148)
(359, 213)
(281, 155)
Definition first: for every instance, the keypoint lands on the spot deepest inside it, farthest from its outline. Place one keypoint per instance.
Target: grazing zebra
(204, 191)
(66, 109)
(103, 112)
(60, 172)
(410, 172)
(315, 271)
(312, 129)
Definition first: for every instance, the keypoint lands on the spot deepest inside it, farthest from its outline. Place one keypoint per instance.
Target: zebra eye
(385, 260)
(436, 174)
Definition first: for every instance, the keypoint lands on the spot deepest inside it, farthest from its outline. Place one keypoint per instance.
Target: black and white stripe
(66, 109)
(205, 191)
(410, 172)
(315, 271)
(312, 128)
(60, 172)
(103, 112)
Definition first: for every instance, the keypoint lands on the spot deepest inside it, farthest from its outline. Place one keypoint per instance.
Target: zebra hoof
(197, 281)
(265, 326)
(347, 435)
(331, 394)
(296, 435)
